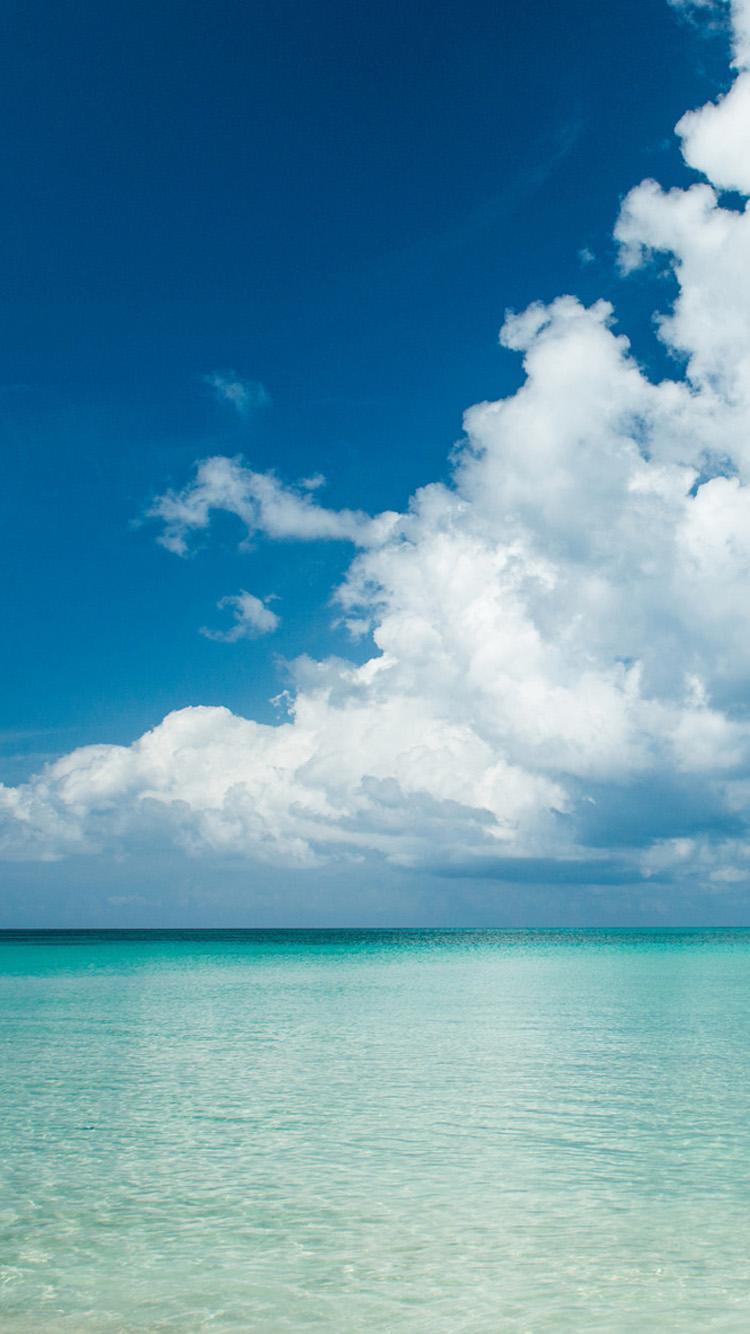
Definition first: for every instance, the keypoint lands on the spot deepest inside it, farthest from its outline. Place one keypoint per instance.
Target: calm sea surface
(344, 1130)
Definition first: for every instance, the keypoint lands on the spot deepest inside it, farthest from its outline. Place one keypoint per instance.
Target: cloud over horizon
(561, 654)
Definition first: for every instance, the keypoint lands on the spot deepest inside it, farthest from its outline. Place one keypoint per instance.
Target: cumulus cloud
(561, 641)
(251, 618)
(242, 395)
(715, 139)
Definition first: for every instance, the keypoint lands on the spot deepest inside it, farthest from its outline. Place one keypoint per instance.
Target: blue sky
(339, 204)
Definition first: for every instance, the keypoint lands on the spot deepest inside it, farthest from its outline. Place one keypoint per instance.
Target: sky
(293, 634)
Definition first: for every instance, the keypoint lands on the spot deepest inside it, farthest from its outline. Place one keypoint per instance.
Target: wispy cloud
(486, 214)
(263, 504)
(708, 17)
(245, 396)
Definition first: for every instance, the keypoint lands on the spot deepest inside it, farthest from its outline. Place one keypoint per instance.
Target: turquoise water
(425, 1131)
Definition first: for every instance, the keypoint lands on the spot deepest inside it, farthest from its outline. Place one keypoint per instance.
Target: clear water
(342, 1131)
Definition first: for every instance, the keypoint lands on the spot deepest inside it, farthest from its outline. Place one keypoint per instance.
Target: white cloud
(263, 504)
(740, 10)
(562, 645)
(243, 395)
(715, 140)
(251, 618)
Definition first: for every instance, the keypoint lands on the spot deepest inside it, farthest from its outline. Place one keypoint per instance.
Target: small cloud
(264, 505)
(251, 618)
(283, 702)
(357, 626)
(244, 396)
(313, 483)
(586, 256)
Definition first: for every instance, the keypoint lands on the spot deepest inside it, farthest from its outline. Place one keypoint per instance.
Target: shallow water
(425, 1131)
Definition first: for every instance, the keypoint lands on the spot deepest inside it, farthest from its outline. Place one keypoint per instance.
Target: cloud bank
(558, 686)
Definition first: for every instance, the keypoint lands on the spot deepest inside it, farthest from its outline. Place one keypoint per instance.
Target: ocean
(375, 1130)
